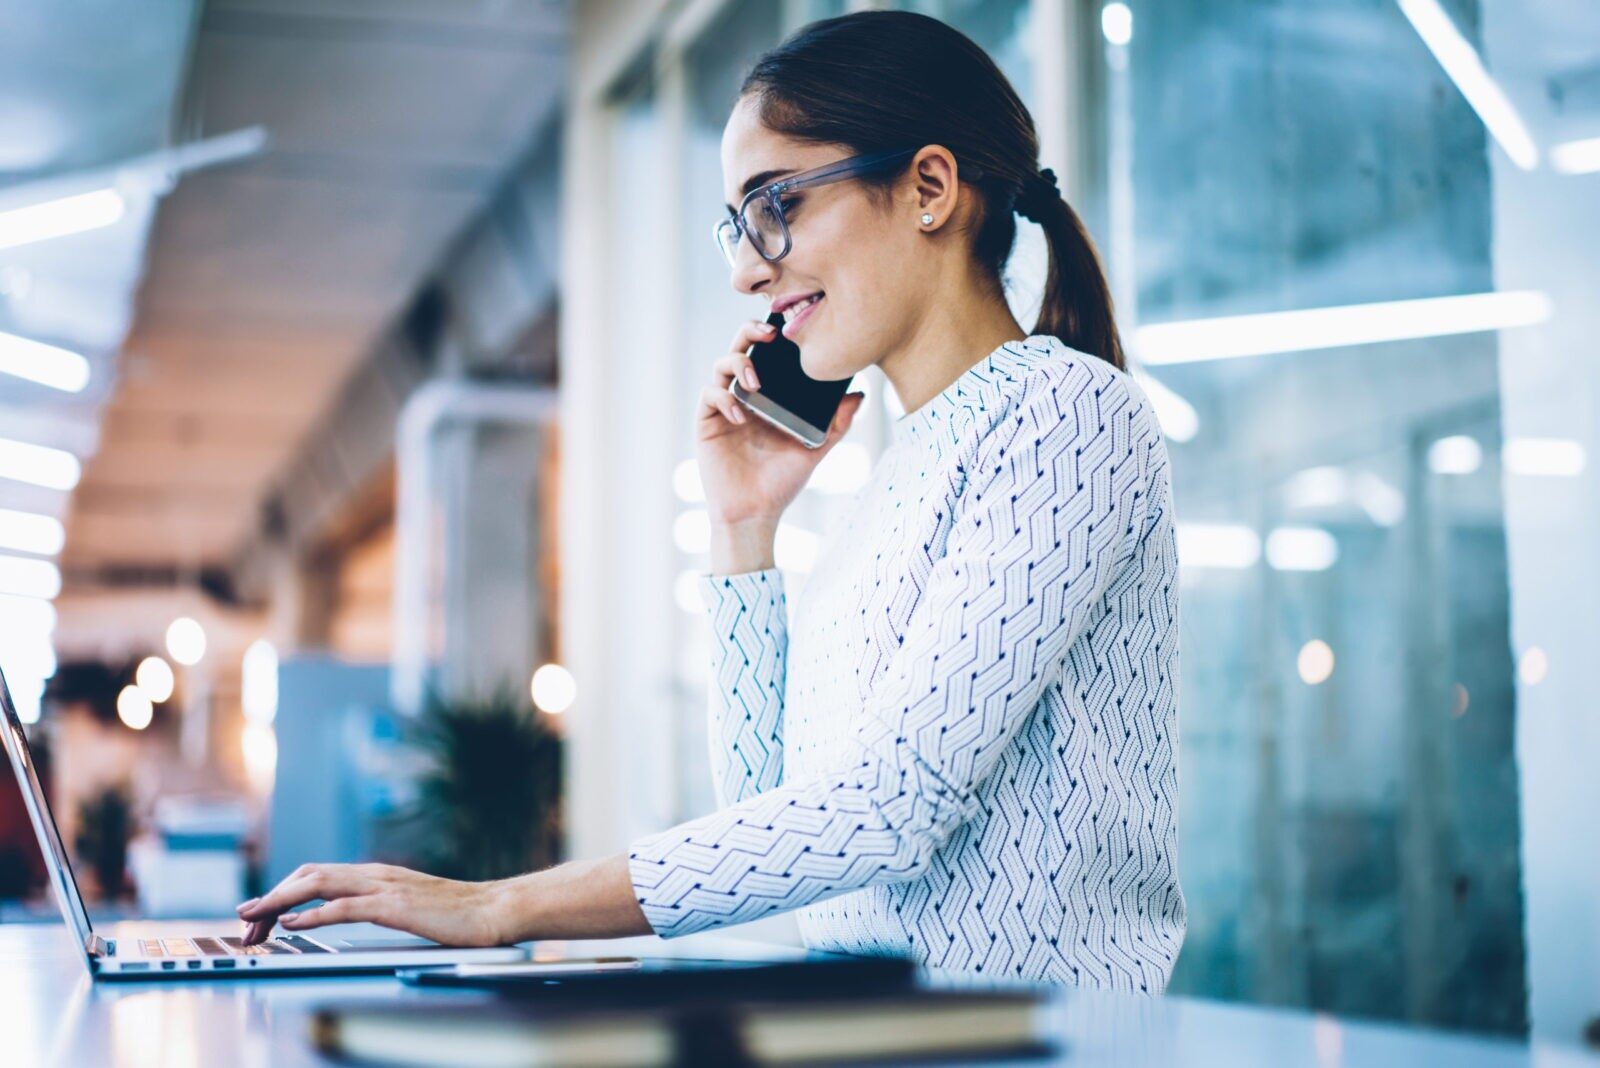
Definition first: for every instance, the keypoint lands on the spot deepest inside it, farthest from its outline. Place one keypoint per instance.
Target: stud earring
(927, 219)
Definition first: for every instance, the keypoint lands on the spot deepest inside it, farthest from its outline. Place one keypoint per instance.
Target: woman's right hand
(752, 471)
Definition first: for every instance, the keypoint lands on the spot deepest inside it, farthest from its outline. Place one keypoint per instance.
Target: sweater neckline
(939, 421)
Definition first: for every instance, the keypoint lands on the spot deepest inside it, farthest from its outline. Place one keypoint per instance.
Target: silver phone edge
(778, 416)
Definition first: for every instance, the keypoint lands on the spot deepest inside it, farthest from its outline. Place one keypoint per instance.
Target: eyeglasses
(760, 215)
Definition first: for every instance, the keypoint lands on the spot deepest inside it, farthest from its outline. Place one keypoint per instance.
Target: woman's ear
(934, 186)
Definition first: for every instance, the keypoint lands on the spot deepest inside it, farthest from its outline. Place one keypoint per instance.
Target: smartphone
(790, 399)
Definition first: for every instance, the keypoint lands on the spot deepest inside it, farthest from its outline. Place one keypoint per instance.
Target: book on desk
(855, 1010)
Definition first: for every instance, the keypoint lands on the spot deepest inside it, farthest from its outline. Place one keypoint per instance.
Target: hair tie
(1040, 192)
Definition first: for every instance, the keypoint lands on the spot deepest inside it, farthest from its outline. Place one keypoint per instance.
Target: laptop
(158, 954)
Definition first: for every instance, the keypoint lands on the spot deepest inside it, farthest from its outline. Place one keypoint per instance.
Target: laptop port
(136, 966)
(222, 964)
(193, 964)
(168, 965)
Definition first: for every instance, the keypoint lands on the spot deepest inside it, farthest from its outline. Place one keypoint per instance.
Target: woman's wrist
(578, 899)
(743, 545)
(503, 903)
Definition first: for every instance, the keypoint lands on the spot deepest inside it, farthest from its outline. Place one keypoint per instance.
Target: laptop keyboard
(228, 946)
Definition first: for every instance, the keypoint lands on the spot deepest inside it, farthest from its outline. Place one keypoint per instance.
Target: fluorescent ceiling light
(34, 659)
(25, 532)
(23, 577)
(1550, 457)
(1577, 157)
(58, 218)
(1455, 455)
(1462, 63)
(52, 214)
(1301, 549)
(45, 364)
(1233, 336)
(39, 465)
(25, 616)
(1217, 545)
(1179, 421)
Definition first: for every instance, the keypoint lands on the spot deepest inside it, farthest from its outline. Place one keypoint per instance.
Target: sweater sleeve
(750, 643)
(1051, 512)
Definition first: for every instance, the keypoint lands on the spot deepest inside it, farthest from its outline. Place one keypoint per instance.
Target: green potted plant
(488, 800)
(105, 825)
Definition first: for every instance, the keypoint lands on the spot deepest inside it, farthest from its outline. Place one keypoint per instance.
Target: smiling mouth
(792, 312)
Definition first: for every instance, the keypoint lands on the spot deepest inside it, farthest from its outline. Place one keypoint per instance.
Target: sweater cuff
(750, 588)
(659, 885)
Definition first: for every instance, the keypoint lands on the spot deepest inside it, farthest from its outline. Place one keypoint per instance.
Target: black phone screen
(777, 364)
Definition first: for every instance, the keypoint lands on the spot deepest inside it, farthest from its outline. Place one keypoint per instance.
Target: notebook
(526, 1032)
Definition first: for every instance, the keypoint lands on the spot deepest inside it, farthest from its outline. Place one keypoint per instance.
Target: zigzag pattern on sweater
(964, 749)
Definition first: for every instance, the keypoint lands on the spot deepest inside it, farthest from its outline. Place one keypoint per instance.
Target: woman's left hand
(443, 910)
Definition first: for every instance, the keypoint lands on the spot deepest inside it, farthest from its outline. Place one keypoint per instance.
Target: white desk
(51, 1014)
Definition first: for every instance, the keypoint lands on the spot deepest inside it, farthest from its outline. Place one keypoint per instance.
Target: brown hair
(880, 80)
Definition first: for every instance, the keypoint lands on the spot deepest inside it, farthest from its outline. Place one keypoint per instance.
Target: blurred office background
(348, 354)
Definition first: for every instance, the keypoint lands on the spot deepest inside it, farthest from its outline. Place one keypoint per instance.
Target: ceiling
(266, 281)
(84, 87)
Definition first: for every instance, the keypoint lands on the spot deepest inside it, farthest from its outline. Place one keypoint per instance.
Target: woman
(964, 750)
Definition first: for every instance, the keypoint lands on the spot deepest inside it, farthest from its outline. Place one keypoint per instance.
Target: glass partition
(1349, 789)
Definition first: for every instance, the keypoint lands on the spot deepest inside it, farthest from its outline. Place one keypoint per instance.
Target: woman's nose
(751, 272)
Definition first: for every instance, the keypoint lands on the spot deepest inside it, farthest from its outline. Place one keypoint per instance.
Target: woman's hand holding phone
(751, 471)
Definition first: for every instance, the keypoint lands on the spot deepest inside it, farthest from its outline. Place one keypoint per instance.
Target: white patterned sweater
(964, 749)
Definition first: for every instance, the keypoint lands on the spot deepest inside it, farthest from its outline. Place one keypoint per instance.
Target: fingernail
(738, 416)
(249, 904)
(750, 378)
(767, 328)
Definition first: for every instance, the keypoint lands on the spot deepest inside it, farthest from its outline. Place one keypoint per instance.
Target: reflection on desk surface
(54, 1015)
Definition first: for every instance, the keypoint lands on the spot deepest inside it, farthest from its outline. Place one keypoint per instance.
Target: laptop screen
(44, 823)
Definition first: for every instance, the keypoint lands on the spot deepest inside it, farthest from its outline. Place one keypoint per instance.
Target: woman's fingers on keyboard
(309, 882)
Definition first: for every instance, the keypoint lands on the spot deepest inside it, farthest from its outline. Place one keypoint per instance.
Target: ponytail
(877, 80)
(1077, 300)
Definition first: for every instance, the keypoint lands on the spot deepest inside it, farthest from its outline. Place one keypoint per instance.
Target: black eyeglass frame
(736, 228)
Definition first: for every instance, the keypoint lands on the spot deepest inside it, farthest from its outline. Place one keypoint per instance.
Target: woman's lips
(801, 316)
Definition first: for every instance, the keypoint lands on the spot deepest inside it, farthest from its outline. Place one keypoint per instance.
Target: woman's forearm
(579, 899)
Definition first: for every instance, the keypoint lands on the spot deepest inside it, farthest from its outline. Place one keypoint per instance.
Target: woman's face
(858, 254)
